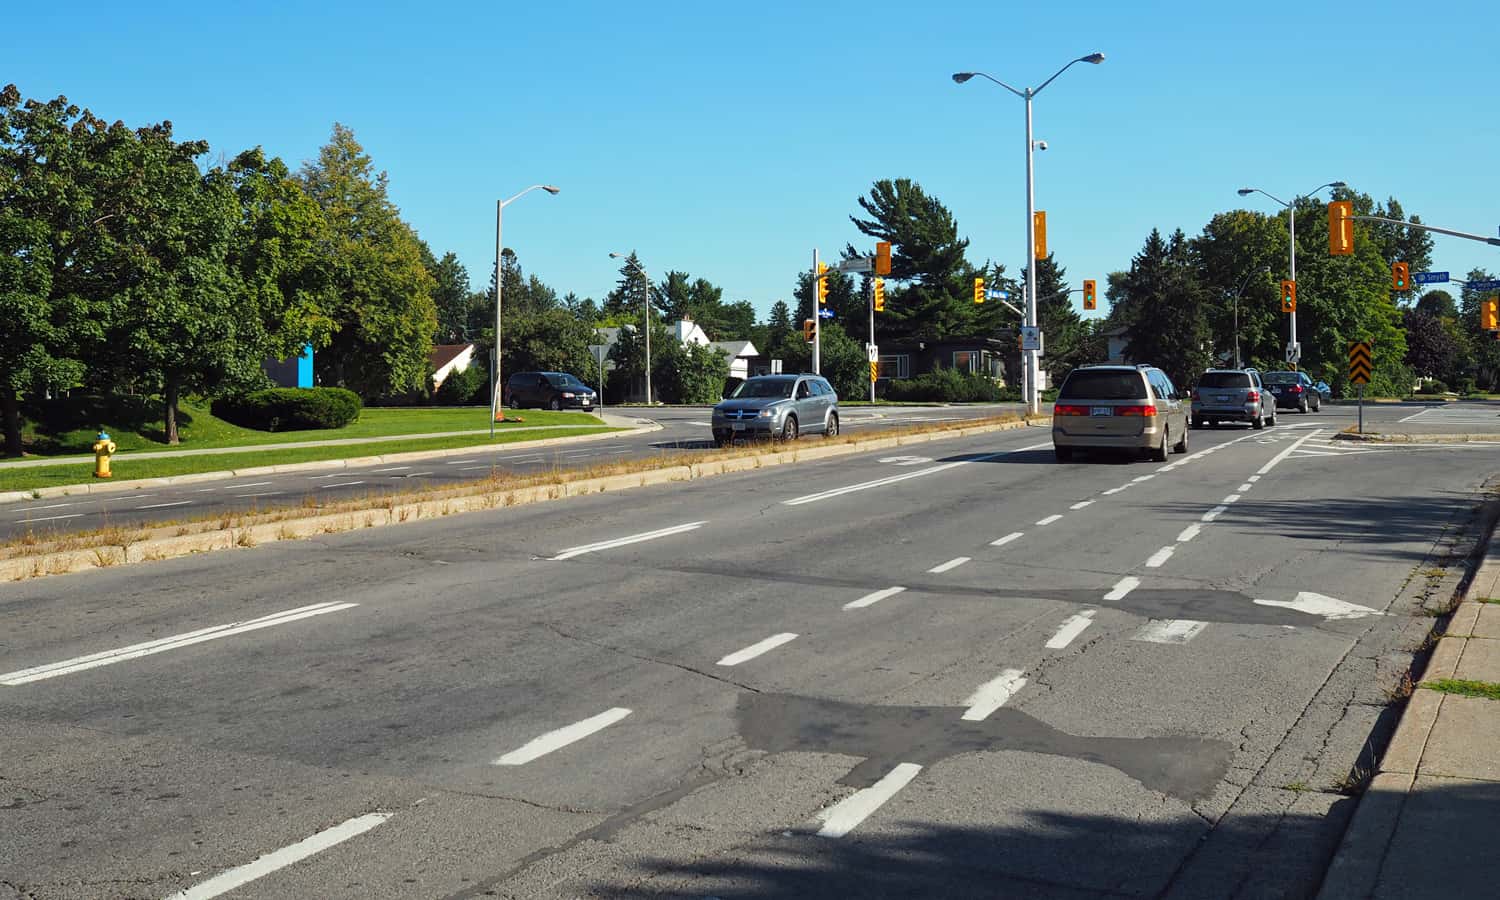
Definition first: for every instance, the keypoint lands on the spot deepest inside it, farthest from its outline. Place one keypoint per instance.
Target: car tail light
(1252, 397)
(1135, 410)
(1296, 388)
(1063, 410)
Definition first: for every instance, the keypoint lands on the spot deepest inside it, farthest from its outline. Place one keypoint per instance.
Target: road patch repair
(36, 556)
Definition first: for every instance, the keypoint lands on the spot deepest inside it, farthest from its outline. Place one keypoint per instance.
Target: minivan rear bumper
(1244, 413)
(1146, 439)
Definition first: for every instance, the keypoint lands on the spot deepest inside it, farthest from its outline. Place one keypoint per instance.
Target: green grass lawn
(127, 469)
(67, 427)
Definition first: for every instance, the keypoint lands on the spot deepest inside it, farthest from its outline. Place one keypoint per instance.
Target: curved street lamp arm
(1065, 68)
(535, 187)
(1021, 94)
(1243, 191)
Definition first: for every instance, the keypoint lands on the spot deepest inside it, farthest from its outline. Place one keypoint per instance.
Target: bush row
(290, 409)
(944, 386)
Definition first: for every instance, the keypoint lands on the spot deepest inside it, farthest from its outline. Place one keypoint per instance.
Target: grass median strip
(1483, 689)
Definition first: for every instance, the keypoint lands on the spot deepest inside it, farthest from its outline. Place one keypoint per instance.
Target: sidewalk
(1429, 824)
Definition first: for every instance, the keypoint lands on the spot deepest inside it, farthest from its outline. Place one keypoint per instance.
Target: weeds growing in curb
(1483, 689)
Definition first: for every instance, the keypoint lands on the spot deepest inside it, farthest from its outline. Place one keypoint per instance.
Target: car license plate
(738, 426)
(1103, 411)
(1226, 398)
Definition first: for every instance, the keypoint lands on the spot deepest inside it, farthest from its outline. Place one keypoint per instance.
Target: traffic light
(1288, 296)
(1400, 277)
(807, 329)
(822, 282)
(1489, 314)
(1340, 228)
(979, 290)
(1039, 228)
(1090, 294)
(883, 258)
(880, 295)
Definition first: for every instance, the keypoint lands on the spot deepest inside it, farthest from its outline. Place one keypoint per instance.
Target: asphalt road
(973, 673)
(684, 429)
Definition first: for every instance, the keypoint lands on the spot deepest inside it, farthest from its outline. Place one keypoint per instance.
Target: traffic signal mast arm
(1473, 237)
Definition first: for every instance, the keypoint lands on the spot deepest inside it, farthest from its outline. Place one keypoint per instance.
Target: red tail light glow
(1296, 388)
(1135, 410)
(1064, 410)
(1253, 396)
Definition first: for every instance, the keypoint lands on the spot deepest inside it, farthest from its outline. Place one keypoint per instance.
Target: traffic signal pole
(1291, 342)
(1033, 397)
(817, 314)
(870, 290)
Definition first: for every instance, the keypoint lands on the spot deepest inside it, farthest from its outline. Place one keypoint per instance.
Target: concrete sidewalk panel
(1444, 842)
(1404, 754)
(1487, 624)
(1356, 867)
(1480, 662)
(1465, 725)
(1462, 622)
(1444, 661)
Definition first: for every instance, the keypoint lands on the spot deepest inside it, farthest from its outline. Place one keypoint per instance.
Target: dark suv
(548, 390)
(1294, 390)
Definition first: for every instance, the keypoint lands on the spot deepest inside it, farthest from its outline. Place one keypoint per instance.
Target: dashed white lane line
(341, 484)
(562, 737)
(757, 648)
(50, 518)
(1160, 557)
(205, 490)
(241, 487)
(412, 475)
(1253, 478)
(1113, 491)
(1071, 628)
(1122, 587)
(895, 479)
(460, 462)
(629, 539)
(165, 505)
(1141, 478)
(391, 469)
(1169, 631)
(473, 468)
(872, 599)
(845, 815)
(953, 563)
(327, 475)
(162, 645)
(258, 494)
(1232, 498)
(1189, 533)
(1049, 520)
(48, 506)
(1244, 487)
(1084, 505)
(1215, 513)
(993, 694)
(1013, 536)
(227, 881)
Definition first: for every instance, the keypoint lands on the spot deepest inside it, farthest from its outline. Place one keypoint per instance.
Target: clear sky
(729, 140)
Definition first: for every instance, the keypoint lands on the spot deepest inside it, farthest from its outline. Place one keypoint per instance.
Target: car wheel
(1181, 446)
(722, 440)
(1258, 423)
(555, 405)
(1302, 406)
(1197, 422)
(832, 429)
(1318, 404)
(1159, 454)
(1063, 454)
(1272, 421)
(789, 430)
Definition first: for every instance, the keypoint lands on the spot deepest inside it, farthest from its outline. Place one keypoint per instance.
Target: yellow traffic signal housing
(1090, 294)
(880, 295)
(807, 329)
(1400, 277)
(1340, 228)
(883, 258)
(822, 282)
(1039, 228)
(1489, 314)
(979, 290)
(1288, 296)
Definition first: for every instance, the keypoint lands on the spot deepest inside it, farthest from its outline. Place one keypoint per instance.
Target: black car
(548, 390)
(1293, 390)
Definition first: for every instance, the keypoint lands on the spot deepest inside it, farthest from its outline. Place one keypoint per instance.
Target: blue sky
(730, 140)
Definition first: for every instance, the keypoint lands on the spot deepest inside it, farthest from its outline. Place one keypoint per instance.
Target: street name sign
(825, 313)
(1484, 285)
(858, 264)
(1429, 278)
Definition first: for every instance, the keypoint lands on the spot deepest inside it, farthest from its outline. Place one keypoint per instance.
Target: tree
(384, 316)
(551, 341)
(1062, 327)
(1438, 303)
(627, 302)
(1243, 248)
(1167, 326)
(450, 294)
(688, 373)
(1430, 351)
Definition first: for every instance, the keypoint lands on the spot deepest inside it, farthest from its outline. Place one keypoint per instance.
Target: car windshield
(1279, 378)
(1224, 380)
(565, 381)
(1104, 384)
(764, 387)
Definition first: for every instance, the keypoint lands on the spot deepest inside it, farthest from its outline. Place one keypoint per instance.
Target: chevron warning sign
(1359, 362)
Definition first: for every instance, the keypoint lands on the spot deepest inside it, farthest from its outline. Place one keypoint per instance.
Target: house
(1117, 339)
(444, 359)
(987, 356)
(740, 354)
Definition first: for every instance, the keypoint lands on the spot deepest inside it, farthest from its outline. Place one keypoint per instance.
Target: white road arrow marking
(1325, 606)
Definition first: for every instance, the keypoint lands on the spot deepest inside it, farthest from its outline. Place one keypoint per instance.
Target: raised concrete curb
(112, 487)
(1395, 438)
(167, 542)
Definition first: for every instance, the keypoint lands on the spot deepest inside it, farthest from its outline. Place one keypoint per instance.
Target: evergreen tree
(450, 295)
(1062, 327)
(1167, 327)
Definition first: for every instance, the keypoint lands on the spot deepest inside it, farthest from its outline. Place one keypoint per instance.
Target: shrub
(290, 409)
(461, 388)
(944, 386)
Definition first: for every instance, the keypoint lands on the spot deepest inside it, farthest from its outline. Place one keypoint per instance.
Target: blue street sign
(825, 313)
(1485, 285)
(994, 294)
(1429, 277)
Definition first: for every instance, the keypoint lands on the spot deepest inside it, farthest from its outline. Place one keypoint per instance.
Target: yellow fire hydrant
(104, 448)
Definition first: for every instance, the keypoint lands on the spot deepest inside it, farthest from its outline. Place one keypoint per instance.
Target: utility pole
(817, 313)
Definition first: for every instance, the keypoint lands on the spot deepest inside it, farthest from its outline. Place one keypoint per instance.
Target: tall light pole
(1263, 270)
(495, 380)
(632, 262)
(1291, 218)
(1033, 396)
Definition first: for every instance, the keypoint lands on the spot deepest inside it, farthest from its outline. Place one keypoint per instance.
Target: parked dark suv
(1294, 390)
(547, 390)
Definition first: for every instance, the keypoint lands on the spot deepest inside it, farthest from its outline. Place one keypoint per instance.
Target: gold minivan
(1121, 407)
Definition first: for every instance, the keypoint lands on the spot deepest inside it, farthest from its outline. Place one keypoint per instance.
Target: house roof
(737, 349)
(443, 354)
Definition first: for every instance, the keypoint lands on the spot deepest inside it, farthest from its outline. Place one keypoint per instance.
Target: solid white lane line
(239, 487)
(845, 815)
(895, 479)
(993, 694)
(629, 539)
(472, 468)
(1071, 628)
(1001, 542)
(562, 737)
(1232, 498)
(164, 505)
(328, 475)
(161, 645)
(1142, 478)
(341, 484)
(1189, 533)
(1169, 631)
(391, 469)
(758, 648)
(49, 518)
(953, 563)
(259, 494)
(1215, 513)
(1416, 415)
(1122, 587)
(459, 462)
(872, 599)
(1082, 505)
(1244, 487)
(49, 506)
(225, 882)
(1287, 452)
(1049, 520)
(1160, 557)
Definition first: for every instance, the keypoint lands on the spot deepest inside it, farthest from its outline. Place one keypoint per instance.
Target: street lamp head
(1245, 192)
(616, 255)
(551, 189)
(1095, 58)
(961, 77)
(1337, 184)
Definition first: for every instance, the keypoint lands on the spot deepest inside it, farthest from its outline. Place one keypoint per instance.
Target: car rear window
(1224, 380)
(1279, 378)
(1104, 385)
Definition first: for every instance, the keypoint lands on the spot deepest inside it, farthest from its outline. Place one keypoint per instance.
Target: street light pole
(495, 380)
(1237, 294)
(637, 266)
(1291, 209)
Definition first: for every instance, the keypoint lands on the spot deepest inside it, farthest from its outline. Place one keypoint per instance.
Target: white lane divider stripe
(629, 539)
(240, 487)
(953, 563)
(227, 881)
(1071, 628)
(1169, 631)
(1122, 587)
(1141, 478)
(1117, 490)
(391, 469)
(1215, 513)
(1082, 505)
(460, 462)
(845, 815)
(1013, 536)
(1285, 453)
(135, 651)
(259, 494)
(757, 648)
(895, 479)
(562, 737)
(1160, 557)
(342, 484)
(993, 694)
(1050, 519)
(1253, 478)
(49, 518)
(872, 599)
(1244, 487)
(1189, 533)
(49, 506)
(165, 505)
(1232, 498)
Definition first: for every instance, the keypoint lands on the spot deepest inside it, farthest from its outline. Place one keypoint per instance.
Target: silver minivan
(1233, 395)
(779, 406)
(1125, 407)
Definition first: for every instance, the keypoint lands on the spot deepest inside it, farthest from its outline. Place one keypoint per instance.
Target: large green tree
(1164, 300)
(1062, 327)
(450, 295)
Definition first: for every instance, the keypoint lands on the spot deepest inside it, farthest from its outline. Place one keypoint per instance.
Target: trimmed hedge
(945, 386)
(290, 409)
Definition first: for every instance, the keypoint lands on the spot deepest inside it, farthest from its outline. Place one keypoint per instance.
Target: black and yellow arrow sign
(1359, 362)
